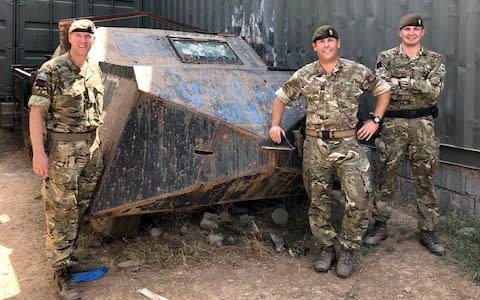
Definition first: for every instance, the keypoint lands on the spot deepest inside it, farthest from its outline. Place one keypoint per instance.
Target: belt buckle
(325, 135)
(412, 114)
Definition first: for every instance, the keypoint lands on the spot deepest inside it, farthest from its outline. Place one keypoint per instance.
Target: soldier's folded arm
(433, 84)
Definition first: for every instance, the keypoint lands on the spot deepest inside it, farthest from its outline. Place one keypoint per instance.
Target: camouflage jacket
(331, 100)
(73, 101)
(422, 77)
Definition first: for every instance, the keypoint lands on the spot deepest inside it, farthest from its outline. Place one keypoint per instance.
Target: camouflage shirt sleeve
(381, 70)
(375, 84)
(433, 84)
(42, 87)
(291, 90)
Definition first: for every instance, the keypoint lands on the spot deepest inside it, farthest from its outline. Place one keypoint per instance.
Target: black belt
(412, 113)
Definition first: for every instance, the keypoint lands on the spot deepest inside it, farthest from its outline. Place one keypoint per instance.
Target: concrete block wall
(458, 188)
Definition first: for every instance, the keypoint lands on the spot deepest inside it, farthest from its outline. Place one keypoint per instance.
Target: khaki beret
(324, 31)
(410, 20)
(82, 25)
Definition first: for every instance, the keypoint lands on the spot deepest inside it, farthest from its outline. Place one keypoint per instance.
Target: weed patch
(463, 242)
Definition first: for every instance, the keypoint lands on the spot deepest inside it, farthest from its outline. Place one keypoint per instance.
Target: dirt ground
(399, 269)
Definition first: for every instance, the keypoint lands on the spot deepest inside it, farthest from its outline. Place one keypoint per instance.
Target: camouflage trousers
(346, 158)
(416, 140)
(74, 169)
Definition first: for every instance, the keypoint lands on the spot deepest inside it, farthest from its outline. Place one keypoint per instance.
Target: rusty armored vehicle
(186, 124)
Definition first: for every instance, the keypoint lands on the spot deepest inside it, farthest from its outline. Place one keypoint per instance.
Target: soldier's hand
(394, 81)
(40, 164)
(367, 130)
(275, 133)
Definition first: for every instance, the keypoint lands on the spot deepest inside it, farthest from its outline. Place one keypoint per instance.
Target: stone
(278, 243)
(215, 239)
(210, 221)
(155, 232)
(130, 264)
(280, 216)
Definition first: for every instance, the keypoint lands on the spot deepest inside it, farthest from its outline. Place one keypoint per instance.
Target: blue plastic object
(91, 275)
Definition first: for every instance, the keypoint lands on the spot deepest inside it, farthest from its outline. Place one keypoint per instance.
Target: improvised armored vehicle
(186, 124)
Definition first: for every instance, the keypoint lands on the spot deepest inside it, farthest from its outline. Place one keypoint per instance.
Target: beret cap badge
(324, 31)
(410, 20)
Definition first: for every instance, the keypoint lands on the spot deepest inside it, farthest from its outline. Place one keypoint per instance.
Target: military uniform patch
(41, 79)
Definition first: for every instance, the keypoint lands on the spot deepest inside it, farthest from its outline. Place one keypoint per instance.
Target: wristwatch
(376, 119)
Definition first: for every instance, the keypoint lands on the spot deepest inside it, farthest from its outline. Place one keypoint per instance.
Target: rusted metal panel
(120, 86)
(190, 134)
(156, 162)
(245, 188)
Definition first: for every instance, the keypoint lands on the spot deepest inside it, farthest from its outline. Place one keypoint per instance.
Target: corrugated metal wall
(7, 46)
(37, 28)
(29, 30)
(281, 30)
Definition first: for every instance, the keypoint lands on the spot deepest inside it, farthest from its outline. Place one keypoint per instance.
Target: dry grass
(255, 248)
(171, 250)
(177, 247)
(464, 247)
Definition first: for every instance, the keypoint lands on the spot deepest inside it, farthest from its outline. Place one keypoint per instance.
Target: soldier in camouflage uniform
(66, 104)
(331, 87)
(416, 75)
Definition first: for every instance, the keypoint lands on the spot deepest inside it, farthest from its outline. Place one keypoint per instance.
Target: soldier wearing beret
(331, 87)
(417, 76)
(66, 107)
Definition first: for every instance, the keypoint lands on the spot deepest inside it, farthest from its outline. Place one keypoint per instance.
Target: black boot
(345, 263)
(325, 261)
(430, 241)
(66, 288)
(377, 234)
